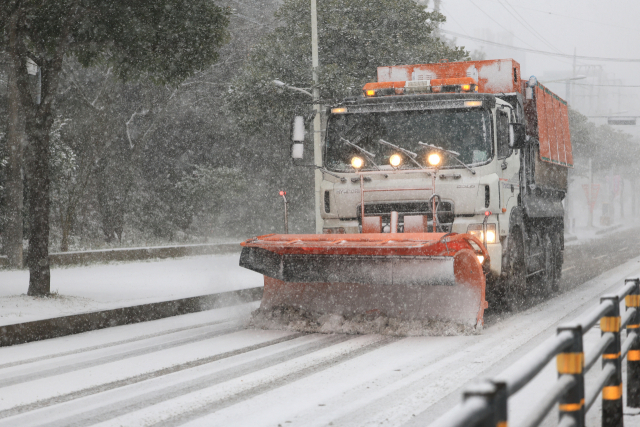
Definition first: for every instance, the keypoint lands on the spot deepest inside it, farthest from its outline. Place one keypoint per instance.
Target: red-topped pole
(286, 215)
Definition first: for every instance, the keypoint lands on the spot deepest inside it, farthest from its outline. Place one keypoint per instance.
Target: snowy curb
(136, 254)
(20, 333)
(608, 229)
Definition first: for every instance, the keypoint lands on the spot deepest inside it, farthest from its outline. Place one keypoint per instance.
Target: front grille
(444, 211)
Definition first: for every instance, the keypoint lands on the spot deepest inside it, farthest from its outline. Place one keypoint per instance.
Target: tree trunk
(38, 121)
(38, 193)
(12, 236)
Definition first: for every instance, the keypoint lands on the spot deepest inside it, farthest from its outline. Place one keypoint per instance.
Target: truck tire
(546, 281)
(515, 283)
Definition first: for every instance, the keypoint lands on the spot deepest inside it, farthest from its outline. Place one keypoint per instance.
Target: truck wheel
(515, 284)
(547, 278)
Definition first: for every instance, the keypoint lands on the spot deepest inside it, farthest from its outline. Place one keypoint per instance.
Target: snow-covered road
(207, 369)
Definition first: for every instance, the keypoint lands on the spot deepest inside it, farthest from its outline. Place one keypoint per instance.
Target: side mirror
(517, 135)
(297, 137)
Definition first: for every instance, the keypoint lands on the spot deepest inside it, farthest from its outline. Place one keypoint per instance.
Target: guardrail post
(571, 362)
(612, 391)
(495, 394)
(633, 356)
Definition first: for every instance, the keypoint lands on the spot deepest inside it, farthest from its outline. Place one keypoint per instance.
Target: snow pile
(21, 308)
(294, 319)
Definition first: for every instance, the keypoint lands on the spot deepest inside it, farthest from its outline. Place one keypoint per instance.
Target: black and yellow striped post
(633, 356)
(495, 394)
(571, 362)
(612, 391)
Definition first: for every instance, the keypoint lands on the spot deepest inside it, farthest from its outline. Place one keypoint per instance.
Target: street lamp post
(317, 122)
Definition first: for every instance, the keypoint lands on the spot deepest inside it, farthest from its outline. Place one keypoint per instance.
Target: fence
(485, 403)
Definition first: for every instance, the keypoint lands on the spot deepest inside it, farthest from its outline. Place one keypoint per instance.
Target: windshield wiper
(367, 154)
(453, 154)
(410, 154)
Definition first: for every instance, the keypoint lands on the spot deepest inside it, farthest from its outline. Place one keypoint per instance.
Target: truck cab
(476, 178)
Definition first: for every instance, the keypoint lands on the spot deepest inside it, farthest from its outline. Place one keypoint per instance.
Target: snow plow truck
(442, 187)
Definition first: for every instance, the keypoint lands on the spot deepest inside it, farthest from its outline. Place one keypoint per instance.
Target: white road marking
(601, 256)
(623, 249)
(568, 268)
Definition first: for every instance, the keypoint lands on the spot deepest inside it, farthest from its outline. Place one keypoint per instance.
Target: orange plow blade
(406, 275)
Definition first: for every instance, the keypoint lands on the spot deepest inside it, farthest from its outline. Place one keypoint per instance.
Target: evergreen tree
(355, 37)
(163, 41)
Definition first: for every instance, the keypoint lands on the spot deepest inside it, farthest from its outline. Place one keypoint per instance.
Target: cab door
(509, 164)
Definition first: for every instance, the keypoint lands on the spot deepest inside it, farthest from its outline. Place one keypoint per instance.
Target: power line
(526, 25)
(499, 24)
(449, 15)
(572, 17)
(542, 52)
(587, 84)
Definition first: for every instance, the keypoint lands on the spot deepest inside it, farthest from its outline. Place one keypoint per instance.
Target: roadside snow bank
(293, 319)
(23, 308)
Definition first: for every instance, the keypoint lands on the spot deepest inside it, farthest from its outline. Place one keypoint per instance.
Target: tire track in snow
(146, 399)
(111, 344)
(271, 385)
(138, 378)
(101, 360)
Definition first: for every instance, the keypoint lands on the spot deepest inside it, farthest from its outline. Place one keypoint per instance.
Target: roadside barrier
(36, 330)
(485, 403)
(135, 254)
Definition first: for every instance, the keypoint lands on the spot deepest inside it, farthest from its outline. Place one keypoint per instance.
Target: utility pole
(621, 196)
(317, 120)
(436, 8)
(573, 75)
(591, 201)
(632, 180)
(569, 83)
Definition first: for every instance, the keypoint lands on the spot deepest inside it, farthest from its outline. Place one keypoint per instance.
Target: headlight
(395, 160)
(357, 162)
(476, 230)
(434, 159)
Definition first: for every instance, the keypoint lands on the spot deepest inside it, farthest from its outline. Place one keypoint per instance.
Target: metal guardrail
(135, 254)
(485, 403)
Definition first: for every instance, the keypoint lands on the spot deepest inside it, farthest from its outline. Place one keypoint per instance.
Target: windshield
(467, 132)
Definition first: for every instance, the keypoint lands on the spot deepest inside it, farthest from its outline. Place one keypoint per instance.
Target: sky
(593, 28)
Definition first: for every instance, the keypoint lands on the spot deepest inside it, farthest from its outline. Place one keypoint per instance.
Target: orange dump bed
(548, 120)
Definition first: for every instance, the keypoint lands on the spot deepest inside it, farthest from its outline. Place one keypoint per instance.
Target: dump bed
(547, 119)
